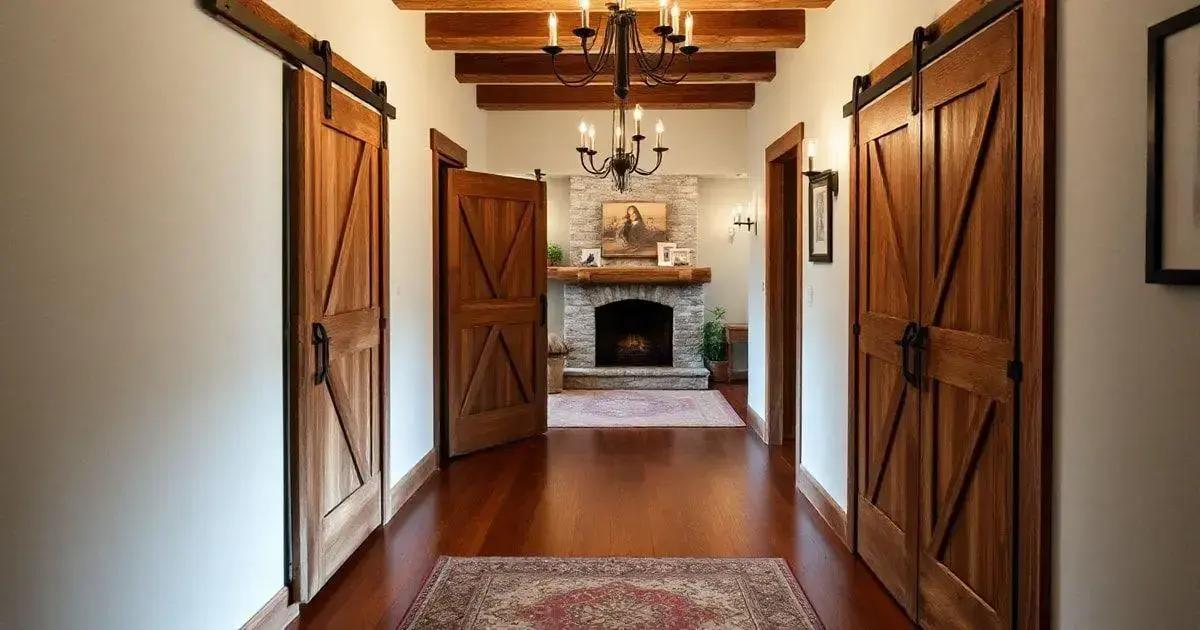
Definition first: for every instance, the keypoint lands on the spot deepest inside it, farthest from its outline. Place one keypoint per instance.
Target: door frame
(783, 275)
(297, 335)
(1034, 402)
(445, 154)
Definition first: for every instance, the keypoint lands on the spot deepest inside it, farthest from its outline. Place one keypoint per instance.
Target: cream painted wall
(141, 449)
(702, 142)
(1127, 548)
(1128, 354)
(811, 85)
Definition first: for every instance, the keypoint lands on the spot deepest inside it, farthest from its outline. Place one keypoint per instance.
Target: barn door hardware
(321, 347)
(912, 344)
(293, 48)
(921, 36)
(325, 49)
(381, 90)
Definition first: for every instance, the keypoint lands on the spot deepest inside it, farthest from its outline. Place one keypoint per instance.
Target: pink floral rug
(641, 408)
(611, 593)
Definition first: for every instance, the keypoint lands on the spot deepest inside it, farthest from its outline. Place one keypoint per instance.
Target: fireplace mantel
(630, 275)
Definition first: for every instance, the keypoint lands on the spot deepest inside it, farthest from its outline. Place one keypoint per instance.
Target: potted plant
(713, 345)
(556, 359)
(554, 255)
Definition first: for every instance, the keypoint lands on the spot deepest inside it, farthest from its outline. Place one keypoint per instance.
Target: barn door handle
(321, 341)
(906, 343)
(542, 303)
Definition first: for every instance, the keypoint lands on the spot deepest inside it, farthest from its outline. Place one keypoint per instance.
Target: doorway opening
(783, 277)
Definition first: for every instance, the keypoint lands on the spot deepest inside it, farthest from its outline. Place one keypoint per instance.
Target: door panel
(338, 217)
(495, 288)
(887, 406)
(968, 284)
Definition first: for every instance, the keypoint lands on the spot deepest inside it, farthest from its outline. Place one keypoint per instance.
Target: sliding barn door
(495, 284)
(338, 211)
(969, 276)
(888, 251)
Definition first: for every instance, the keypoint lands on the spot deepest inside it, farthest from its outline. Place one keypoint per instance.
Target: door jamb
(783, 275)
(446, 154)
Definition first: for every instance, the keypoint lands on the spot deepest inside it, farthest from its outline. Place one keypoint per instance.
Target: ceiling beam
(561, 97)
(573, 5)
(706, 67)
(526, 32)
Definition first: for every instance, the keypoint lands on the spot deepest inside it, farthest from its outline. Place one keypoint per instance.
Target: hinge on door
(325, 49)
(856, 329)
(1016, 370)
(381, 90)
(383, 323)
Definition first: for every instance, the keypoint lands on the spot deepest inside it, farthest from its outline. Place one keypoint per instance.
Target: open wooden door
(969, 294)
(886, 402)
(495, 290)
(339, 206)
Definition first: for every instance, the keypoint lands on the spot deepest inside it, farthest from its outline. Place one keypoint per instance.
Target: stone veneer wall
(579, 318)
(681, 193)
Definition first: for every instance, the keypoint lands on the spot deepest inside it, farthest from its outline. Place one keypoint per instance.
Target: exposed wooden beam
(526, 32)
(706, 67)
(561, 97)
(573, 5)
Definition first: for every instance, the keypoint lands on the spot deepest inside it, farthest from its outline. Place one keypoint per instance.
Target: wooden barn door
(969, 280)
(495, 284)
(339, 208)
(888, 249)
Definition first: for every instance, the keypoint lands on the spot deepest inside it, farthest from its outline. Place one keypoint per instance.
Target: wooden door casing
(886, 404)
(495, 285)
(969, 278)
(339, 216)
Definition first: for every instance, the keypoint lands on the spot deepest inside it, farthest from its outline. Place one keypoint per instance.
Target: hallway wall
(1128, 354)
(141, 450)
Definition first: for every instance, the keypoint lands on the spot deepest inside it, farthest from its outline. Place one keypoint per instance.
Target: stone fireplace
(632, 333)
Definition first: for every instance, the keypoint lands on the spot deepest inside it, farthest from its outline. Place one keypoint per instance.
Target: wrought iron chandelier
(626, 155)
(623, 42)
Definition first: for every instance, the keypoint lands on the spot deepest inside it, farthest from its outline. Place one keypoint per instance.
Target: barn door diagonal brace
(296, 52)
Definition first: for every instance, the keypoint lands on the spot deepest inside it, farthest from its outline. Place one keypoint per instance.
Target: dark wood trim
(852, 360)
(445, 153)
(406, 486)
(385, 351)
(509, 68)
(570, 5)
(1156, 39)
(825, 505)
(1039, 81)
(783, 278)
(630, 275)
(276, 613)
(756, 423)
(600, 97)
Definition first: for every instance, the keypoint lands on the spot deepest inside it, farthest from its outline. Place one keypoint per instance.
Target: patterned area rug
(641, 408)
(611, 593)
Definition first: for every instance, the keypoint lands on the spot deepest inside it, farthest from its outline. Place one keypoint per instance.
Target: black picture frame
(1156, 273)
(827, 180)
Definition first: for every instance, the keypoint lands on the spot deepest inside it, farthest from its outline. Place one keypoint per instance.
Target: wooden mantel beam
(526, 32)
(561, 97)
(573, 5)
(706, 67)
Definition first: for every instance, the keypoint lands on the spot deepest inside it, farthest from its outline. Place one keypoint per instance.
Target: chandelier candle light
(622, 41)
(625, 159)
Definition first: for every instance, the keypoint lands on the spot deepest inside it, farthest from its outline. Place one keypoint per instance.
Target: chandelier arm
(603, 54)
(643, 58)
(687, 69)
(571, 81)
(656, 165)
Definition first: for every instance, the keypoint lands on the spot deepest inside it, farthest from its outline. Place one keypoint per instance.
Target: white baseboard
(819, 497)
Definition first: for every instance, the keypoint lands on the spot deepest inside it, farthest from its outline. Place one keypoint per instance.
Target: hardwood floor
(609, 492)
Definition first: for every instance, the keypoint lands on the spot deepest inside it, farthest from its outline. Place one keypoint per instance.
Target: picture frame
(683, 256)
(820, 218)
(1173, 152)
(590, 257)
(665, 251)
(630, 229)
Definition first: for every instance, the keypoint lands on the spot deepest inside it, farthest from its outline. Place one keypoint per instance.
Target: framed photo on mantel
(632, 229)
(1173, 164)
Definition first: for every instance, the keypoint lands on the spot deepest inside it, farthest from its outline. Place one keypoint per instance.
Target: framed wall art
(632, 229)
(820, 218)
(1173, 168)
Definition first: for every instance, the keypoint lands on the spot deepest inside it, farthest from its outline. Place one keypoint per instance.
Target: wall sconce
(810, 152)
(738, 221)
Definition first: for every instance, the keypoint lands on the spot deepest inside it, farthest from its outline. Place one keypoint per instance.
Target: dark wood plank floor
(609, 492)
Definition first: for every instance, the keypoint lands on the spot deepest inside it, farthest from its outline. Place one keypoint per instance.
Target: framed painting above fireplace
(632, 229)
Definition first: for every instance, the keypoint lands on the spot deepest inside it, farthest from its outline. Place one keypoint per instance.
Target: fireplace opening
(634, 333)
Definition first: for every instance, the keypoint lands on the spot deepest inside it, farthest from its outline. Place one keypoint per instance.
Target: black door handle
(321, 343)
(905, 342)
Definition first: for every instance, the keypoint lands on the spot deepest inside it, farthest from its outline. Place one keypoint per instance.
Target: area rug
(641, 408)
(611, 593)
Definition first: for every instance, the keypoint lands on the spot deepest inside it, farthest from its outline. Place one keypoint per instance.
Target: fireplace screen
(633, 333)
